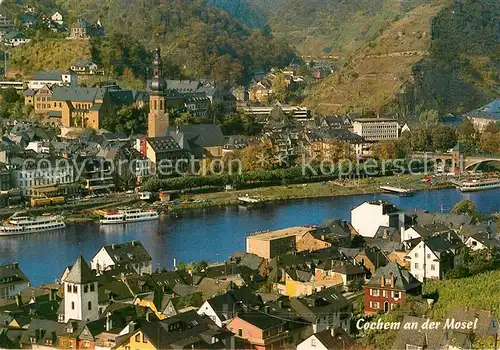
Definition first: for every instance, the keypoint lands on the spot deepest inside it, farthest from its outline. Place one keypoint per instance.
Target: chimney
(332, 331)
(109, 322)
(267, 309)
(392, 280)
(19, 301)
(280, 304)
(113, 246)
(132, 243)
(382, 282)
(147, 316)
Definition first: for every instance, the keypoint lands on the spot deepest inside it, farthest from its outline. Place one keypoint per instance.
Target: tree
(390, 149)
(465, 207)
(280, 87)
(256, 157)
(129, 119)
(429, 117)
(490, 142)
(419, 139)
(10, 95)
(443, 137)
(467, 136)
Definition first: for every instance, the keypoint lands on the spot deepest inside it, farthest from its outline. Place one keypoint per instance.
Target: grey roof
(85, 94)
(80, 272)
(321, 303)
(204, 135)
(224, 304)
(444, 243)
(251, 260)
(486, 324)
(341, 267)
(129, 252)
(47, 330)
(487, 239)
(13, 35)
(48, 76)
(163, 144)
(338, 340)
(424, 338)
(491, 110)
(13, 273)
(30, 92)
(403, 279)
(261, 320)
(83, 63)
(183, 85)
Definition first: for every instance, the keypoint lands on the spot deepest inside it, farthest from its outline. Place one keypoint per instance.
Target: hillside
(370, 79)
(443, 56)
(199, 39)
(321, 28)
(51, 54)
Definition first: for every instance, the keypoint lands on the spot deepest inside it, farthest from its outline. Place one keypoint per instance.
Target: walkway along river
(210, 234)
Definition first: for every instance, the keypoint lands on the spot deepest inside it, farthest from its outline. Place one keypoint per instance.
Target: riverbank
(304, 191)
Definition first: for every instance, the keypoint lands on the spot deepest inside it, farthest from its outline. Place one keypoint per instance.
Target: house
(27, 21)
(299, 283)
(186, 330)
(57, 18)
(200, 140)
(424, 231)
(42, 334)
(367, 217)
(50, 78)
(15, 38)
(418, 337)
(271, 244)
(77, 335)
(376, 129)
(372, 258)
(483, 240)
(433, 256)
(82, 30)
(12, 281)
(329, 339)
(82, 107)
(165, 154)
(486, 324)
(224, 307)
(40, 99)
(260, 330)
(335, 269)
(85, 67)
(325, 309)
(254, 263)
(130, 253)
(399, 256)
(388, 287)
(483, 116)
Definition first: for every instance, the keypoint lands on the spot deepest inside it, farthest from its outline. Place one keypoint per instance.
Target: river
(210, 234)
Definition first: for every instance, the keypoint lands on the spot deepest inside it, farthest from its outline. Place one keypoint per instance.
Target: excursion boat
(132, 215)
(19, 225)
(479, 185)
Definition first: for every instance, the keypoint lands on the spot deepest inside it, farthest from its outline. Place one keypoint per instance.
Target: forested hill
(197, 38)
(244, 11)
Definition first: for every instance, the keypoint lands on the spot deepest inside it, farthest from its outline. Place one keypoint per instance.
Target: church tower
(158, 115)
(80, 293)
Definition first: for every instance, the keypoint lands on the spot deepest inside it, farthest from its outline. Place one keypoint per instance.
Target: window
(416, 265)
(69, 288)
(85, 288)
(474, 243)
(86, 344)
(416, 255)
(375, 292)
(144, 340)
(90, 305)
(374, 304)
(92, 287)
(433, 267)
(240, 332)
(396, 295)
(428, 256)
(137, 337)
(75, 289)
(313, 342)
(72, 305)
(384, 293)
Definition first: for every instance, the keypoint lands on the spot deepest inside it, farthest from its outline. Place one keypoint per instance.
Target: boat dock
(397, 190)
(248, 200)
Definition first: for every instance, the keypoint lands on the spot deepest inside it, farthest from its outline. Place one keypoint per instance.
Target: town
(303, 286)
(217, 174)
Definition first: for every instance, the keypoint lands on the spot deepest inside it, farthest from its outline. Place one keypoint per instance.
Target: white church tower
(80, 293)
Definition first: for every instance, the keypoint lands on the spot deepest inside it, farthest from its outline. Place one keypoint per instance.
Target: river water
(210, 234)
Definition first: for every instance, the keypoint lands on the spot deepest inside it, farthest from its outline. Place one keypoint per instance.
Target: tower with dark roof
(80, 293)
(158, 114)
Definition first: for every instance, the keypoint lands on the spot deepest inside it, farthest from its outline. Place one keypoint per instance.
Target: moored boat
(479, 185)
(19, 225)
(127, 216)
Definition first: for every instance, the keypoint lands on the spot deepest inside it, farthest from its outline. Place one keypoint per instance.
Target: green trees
(10, 95)
(467, 136)
(129, 119)
(489, 141)
(429, 117)
(391, 149)
(465, 207)
(443, 137)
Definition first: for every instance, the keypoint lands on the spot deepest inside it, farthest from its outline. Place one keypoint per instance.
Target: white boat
(479, 185)
(19, 225)
(132, 215)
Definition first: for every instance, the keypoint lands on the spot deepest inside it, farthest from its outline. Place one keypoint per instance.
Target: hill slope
(443, 56)
(201, 40)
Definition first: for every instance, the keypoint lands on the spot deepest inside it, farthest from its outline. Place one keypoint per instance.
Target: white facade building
(131, 253)
(80, 293)
(376, 129)
(41, 79)
(42, 172)
(57, 18)
(12, 281)
(369, 216)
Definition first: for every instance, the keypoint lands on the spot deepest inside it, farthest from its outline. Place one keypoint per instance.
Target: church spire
(157, 83)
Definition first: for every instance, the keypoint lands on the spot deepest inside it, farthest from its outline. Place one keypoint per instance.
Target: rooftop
(297, 231)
